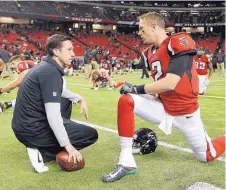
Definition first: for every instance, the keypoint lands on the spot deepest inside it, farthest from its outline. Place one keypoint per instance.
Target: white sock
(36, 160)
(13, 103)
(126, 156)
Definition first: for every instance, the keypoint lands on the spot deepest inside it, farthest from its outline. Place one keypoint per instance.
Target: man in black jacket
(37, 120)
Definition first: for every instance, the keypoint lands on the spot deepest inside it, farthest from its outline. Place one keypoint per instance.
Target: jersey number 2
(157, 68)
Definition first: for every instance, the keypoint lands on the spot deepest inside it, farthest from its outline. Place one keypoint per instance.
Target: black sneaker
(118, 172)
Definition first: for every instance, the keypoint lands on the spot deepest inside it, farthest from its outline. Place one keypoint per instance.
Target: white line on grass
(78, 84)
(217, 80)
(215, 97)
(85, 85)
(160, 143)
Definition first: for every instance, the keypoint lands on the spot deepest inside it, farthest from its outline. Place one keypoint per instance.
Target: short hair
(15, 57)
(157, 17)
(55, 42)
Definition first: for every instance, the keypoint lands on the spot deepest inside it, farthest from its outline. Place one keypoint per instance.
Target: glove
(128, 88)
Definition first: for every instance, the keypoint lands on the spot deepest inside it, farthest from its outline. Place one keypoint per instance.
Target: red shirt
(103, 75)
(202, 64)
(184, 98)
(24, 65)
(105, 65)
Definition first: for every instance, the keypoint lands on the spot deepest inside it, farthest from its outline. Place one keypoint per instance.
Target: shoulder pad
(180, 43)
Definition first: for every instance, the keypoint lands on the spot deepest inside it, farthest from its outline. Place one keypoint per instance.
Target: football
(62, 160)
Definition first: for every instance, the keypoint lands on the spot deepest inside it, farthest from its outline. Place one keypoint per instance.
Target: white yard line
(217, 81)
(215, 97)
(78, 84)
(160, 143)
(85, 85)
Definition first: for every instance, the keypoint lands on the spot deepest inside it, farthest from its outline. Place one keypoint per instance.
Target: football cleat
(117, 173)
(145, 141)
(3, 107)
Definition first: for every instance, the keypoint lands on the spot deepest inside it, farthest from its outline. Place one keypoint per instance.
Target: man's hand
(83, 106)
(207, 81)
(73, 153)
(128, 88)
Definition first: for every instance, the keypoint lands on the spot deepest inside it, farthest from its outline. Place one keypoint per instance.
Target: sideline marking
(160, 143)
(85, 85)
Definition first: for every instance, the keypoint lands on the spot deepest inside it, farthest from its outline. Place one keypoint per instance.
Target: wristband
(140, 89)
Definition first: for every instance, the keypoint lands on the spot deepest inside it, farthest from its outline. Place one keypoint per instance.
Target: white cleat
(36, 160)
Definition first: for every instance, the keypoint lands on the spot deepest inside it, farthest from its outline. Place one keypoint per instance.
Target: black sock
(8, 104)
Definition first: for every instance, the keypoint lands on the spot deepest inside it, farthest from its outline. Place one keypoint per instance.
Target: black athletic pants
(80, 135)
(144, 72)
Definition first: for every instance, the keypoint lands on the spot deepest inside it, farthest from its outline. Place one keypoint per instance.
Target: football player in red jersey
(176, 82)
(22, 68)
(203, 64)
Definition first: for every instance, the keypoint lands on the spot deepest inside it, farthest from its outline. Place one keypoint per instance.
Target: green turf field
(166, 169)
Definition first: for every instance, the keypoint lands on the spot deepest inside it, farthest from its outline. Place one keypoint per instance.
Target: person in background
(87, 62)
(27, 55)
(220, 62)
(204, 69)
(95, 58)
(144, 65)
(16, 50)
(5, 56)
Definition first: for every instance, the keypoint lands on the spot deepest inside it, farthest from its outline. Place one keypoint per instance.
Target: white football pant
(191, 126)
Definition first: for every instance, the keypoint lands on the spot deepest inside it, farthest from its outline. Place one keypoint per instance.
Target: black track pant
(144, 72)
(80, 136)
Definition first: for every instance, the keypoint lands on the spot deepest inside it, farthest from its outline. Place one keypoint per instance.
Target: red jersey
(184, 98)
(118, 65)
(105, 65)
(24, 65)
(202, 64)
(103, 75)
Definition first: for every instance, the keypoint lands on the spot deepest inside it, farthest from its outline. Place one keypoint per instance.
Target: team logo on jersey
(54, 93)
(184, 42)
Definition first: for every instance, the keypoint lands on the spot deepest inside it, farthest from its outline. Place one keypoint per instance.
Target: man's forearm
(12, 85)
(56, 123)
(210, 70)
(210, 74)
(70, 95)
(163, 85)
(157, 87)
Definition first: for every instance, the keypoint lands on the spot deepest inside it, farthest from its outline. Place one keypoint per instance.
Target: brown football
(62, 160)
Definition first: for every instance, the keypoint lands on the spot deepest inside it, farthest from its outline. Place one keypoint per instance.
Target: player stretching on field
(22, 68)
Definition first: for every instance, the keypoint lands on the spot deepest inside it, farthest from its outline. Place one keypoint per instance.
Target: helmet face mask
(145, 141)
